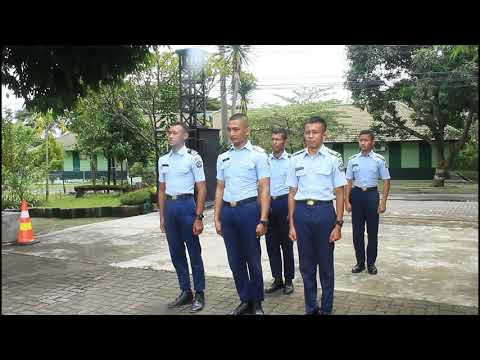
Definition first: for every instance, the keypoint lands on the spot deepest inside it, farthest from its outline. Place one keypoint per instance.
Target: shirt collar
(369, 154)
(283, 156)
(248, 145)
(180, 151)
(322, 151)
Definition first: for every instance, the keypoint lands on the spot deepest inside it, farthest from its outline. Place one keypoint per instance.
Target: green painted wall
(102, 164)
(410, 155)
(67, 161)
(349, 149)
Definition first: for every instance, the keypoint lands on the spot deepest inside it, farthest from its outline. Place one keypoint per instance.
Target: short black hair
(240, 116)
(367, 132)
(179, 123)
(316, 120)
(280, 131)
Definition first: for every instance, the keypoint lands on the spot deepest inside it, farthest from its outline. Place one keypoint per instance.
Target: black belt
(179, 196)
(366, 188)
(279, 197)
(312, 202)
(239, 202)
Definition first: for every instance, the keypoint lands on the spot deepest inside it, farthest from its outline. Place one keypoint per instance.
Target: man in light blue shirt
(242, 202)
(277, 240)
(363, 171)
(179, 171)
(314, 174)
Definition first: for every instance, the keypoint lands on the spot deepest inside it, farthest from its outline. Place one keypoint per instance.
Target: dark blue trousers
(243, 249)
(314, 225)
(179, 218)
(278, 242)
(364, 210)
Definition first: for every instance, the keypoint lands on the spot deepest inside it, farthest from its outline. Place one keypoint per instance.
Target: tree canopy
(54, 76)
(438, 83)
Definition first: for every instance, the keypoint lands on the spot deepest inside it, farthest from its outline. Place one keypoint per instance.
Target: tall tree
(19, 171)
(156, 91)
(237, 56)
(438, 83)
(248, 83)
(223, 93)
(52, 77)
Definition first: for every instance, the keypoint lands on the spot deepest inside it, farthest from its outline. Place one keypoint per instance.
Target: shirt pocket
(323, 171)
(164, 169)
(300, 170)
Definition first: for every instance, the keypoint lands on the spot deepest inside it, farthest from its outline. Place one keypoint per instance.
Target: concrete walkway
(428, 254)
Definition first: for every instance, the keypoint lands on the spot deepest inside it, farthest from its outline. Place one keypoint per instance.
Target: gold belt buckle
(174, 197)
(233, 203)
(364, 188)
(310, 202)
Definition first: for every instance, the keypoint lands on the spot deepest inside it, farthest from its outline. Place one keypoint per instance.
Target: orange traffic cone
(25, 234)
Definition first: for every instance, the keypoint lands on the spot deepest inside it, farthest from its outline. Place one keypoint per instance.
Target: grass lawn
(87, 201)
(425, 187)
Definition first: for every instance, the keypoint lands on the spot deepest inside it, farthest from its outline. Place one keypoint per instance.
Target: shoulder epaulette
(379, 156)
(333, 152)
(193, 152)
(258, 148)
(299, 152)
(353, 157)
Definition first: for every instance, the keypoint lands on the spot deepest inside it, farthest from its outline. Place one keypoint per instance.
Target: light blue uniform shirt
(365, 170)
(279, 171)
(316, 177)
(180, 170)
(241, 170)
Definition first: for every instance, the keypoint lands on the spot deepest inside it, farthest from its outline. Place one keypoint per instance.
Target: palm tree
(237, 55)
(223, 92)
(248, 83)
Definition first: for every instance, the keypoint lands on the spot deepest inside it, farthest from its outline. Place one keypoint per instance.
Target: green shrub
(467, 158)
(138, 197)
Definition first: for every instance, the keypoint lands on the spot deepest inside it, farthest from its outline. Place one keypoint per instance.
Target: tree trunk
(223, 92)
(46, 159)
(93, 168)
(109, 172)
(121, 172)
(114, 171)
(441, 172)
(235, 81)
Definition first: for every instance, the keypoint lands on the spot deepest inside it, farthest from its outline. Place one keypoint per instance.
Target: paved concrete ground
(42, 286)
(428, 263)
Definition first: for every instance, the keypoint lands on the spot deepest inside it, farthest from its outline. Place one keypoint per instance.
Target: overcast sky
(278, 69)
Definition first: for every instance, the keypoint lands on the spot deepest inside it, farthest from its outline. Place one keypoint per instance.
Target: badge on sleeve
(198, 163)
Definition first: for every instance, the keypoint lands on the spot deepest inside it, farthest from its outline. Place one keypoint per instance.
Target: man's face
(314, 134)
(238, 131)
(278, 143)
(366, 142)
(177, 135)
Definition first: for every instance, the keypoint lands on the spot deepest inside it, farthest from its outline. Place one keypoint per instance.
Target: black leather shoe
(276, 285)
(257, 308)
(288, 289)
(242, 309)
(184, 298)
(314, 312)
(372, 269)
(198, 302)
(358, 268)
